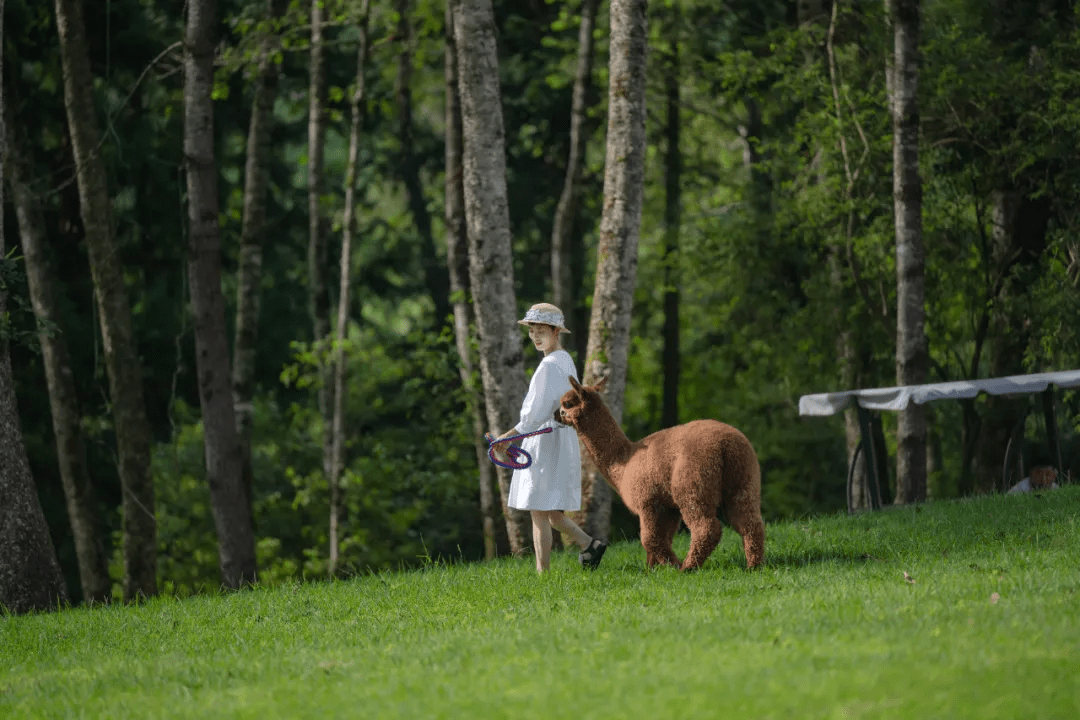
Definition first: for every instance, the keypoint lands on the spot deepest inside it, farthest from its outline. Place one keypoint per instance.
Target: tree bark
(911, 345)
(457, 257)
(252, 237)
(487, 215)
(232, 516)
(79, 494)
(358, 108)
(669, 414)
(858, 497)
(121, 357)
(620, 227)
(564, 291)
(812, 13)
(435, 275)
(318, 293)
(1018, 239)
(30, 577)
(890, 57)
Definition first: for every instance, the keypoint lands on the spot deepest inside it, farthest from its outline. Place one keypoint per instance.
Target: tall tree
(114, 313)
(1019, 225)
(620, 228)
(252, 237)
(812, 13)
(669, 413)
(1019, 218)
(435, 275)
(358, 110)
(912, 357)
(487, 216)
(457, 259)
(318, 291)
(232, 514)
(79, 495)
(30, 577)
(563, 289)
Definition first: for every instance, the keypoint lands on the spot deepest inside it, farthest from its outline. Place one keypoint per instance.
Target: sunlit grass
(986, 625)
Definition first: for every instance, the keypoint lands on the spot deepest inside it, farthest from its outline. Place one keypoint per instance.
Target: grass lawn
(986, 625)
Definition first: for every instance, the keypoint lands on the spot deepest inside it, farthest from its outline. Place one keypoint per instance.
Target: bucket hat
(546, 314)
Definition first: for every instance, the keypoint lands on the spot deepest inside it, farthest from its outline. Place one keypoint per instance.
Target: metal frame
(866, 439)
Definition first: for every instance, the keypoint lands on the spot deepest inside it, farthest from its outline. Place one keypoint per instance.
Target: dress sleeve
(545, 391)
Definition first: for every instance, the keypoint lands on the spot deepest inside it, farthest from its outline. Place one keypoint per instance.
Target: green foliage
(408, 489)
(17, 310)
(786, 246)
(960, 609)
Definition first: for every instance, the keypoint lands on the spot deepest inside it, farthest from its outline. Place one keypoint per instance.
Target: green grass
(829, 628)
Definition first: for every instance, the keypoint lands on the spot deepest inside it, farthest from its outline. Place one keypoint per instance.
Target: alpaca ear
(599, 387)
(574, 383)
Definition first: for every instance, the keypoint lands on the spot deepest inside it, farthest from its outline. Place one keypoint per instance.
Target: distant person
(551, 486)
(1041, 478)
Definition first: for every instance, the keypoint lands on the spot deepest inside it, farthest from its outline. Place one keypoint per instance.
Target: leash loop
(519, 458)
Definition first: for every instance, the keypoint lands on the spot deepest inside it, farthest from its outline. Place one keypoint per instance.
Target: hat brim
(560, 328)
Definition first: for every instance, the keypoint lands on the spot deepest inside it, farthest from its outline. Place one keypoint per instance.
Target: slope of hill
(947, 610)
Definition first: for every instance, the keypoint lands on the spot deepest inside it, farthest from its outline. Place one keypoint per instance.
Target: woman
(552, 484)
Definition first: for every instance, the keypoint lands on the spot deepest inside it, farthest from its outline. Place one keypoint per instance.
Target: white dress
(553, 481)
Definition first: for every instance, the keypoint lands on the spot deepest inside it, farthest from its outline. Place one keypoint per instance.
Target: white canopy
(896, 398)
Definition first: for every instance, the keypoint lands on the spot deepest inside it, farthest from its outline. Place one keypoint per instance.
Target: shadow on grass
(724, 562)
(815, 557)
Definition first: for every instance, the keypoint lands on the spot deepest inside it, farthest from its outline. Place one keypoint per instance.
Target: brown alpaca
(695, 471)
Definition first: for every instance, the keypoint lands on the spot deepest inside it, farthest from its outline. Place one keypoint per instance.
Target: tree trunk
(669, 414)
(564, 291)
(911, 346)
(121, 356)
(1018, 239)
(83, 513)
(232, 516)
(620, 227)
(30, 577)
(358, 108)
(890, 57)
(487, 215)
(934, 449)
(252, 236)
(812, 13)
(457, 257)
(435, 275)
(318, 293)
(859, 495)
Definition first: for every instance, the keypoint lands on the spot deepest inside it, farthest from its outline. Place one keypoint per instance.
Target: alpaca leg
(705, 534)
(752, 529)
(655, 538)
(667, 526)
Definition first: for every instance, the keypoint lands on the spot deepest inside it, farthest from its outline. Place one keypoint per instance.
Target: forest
(260, 264)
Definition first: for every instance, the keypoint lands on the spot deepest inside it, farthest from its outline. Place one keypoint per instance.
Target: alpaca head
(578, 402)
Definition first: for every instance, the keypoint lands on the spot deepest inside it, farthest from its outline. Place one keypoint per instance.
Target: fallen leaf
(909, 578)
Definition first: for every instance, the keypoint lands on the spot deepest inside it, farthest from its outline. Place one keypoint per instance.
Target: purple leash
(515, 453)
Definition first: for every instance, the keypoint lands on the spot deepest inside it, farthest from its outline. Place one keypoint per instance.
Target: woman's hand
(502, 442)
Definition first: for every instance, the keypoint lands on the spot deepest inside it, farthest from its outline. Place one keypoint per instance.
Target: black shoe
(590, 557)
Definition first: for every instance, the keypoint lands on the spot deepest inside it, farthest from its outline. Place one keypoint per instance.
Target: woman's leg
(565, 525)
(542, 539)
